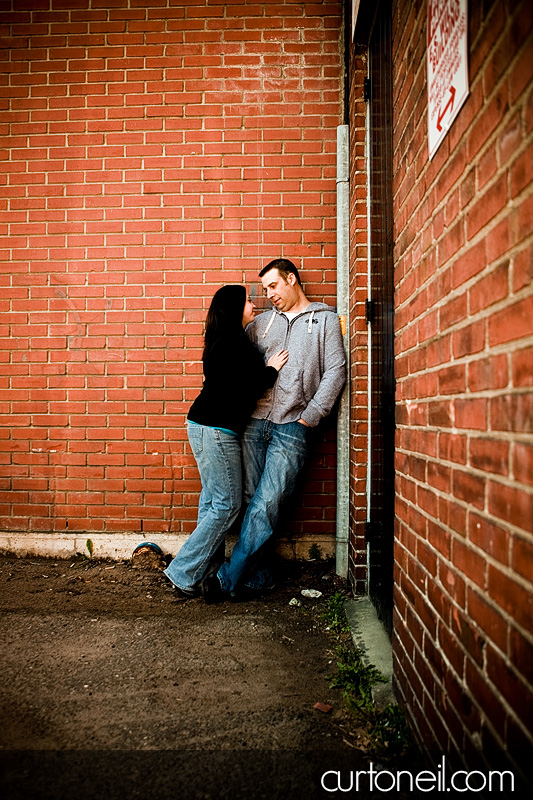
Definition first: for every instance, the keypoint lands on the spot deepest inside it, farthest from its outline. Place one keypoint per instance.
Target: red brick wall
(151, 151)
(464, 325)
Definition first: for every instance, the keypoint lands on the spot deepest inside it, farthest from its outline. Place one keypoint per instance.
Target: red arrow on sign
(449, 105)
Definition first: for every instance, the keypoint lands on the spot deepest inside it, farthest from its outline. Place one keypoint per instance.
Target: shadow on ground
(112, 686)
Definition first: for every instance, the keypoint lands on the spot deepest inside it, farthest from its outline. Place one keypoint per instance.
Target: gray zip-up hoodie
(311, 380)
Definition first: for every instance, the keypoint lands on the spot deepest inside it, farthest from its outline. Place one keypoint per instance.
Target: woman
(235, 376)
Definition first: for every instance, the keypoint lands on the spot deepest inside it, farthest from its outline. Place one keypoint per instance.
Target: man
(276, 441)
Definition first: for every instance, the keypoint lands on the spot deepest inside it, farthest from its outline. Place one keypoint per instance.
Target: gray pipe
(343, 306)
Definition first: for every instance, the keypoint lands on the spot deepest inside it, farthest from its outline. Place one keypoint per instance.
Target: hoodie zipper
(289, 324)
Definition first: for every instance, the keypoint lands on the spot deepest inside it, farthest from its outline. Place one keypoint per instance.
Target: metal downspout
(343, 295)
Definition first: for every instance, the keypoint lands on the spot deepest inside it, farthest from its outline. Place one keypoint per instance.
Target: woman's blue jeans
(273, 456)
(219, 459)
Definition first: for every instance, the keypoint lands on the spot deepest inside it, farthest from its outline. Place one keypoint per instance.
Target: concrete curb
(120, 545)
(370, 637)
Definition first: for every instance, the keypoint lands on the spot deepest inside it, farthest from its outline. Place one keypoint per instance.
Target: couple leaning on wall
(268, 381)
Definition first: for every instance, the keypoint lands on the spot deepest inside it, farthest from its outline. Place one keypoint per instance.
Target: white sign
(355, 12)
(447, 62)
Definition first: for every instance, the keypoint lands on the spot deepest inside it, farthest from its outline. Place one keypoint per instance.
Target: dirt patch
(103, 658)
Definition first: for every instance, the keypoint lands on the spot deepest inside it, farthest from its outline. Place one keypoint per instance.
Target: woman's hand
(278, 360)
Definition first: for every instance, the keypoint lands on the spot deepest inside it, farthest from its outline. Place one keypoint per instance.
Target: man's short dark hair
(285, 268)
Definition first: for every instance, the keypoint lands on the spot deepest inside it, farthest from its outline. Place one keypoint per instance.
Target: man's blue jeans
(273, 456)
(219, 460)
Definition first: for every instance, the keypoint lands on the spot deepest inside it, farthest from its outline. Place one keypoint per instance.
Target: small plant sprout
(315, 553)
(90, 549)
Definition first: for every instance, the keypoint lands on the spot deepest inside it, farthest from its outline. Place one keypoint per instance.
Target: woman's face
(248, 313)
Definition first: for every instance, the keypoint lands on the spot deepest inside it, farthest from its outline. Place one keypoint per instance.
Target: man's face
(282, 293)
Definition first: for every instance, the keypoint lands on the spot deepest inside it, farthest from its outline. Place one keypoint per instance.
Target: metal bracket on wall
(366, 89)
(370, 311)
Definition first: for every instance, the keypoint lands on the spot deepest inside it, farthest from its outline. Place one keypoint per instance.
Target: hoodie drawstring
(271, 320)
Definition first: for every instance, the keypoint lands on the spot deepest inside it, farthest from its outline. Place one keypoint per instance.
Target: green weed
(387, 730)
(90, 549)
(355, 678)
(315, 553)
(334, 615)
(391, 731)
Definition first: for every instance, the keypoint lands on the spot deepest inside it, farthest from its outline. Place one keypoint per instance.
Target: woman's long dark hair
(224, 317)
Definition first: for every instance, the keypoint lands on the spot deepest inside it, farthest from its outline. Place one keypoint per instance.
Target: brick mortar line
(476, 666)
(451, 428)
(426, 693)
(449, 496)
(415, 711)
(490, 561)
(480, 236)
(508, 347)
(484, 634)
(511, 623)
(438, 683)
(511, 437)
(469, 244)
(470, 433)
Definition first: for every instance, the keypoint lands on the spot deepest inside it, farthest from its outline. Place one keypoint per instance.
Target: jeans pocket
(298, 435)
(195, 434)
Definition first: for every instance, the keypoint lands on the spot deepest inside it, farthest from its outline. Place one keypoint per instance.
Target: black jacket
(235, 377)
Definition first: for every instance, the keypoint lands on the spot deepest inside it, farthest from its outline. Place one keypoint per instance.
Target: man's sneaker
(184, 593)
(245, 593)
(212, 591)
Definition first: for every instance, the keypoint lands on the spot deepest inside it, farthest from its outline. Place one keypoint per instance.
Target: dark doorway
(380, 530)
